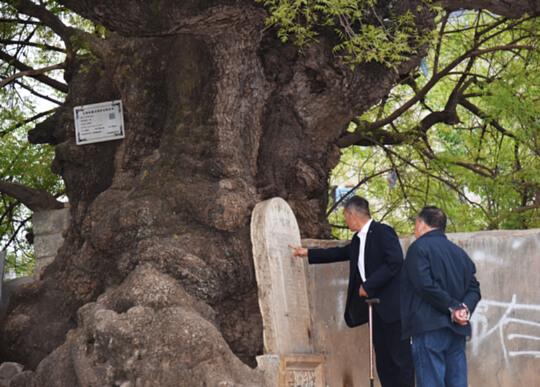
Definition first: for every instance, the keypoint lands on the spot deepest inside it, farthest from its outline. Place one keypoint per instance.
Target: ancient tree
(155, 280)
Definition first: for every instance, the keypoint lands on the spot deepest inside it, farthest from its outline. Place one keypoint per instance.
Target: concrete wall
(48, 227)
(505, 347)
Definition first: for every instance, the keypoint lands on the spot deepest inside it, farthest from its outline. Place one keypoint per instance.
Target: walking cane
(370, 302)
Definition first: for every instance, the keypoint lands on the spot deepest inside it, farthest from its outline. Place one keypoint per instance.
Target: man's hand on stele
(298, 251)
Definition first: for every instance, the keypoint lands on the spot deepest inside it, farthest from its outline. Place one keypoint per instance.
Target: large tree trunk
(219, 115)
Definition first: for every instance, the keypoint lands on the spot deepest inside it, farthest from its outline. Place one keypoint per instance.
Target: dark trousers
(392, 354)
(439, 357)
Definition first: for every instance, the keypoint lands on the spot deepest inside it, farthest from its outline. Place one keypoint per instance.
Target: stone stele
(281, 279)
(289, 358)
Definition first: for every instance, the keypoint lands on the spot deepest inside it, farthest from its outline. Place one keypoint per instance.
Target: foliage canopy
(468, 139)
(365, 30)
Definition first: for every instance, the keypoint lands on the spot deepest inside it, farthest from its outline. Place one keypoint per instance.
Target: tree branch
(40, 77)
(8, 209)
(511, 9)
(433, 81)
(27, 121)
(399, 179)
(368, 137)
(32, 44)
(70, 35)
(34, 199)
(479, 169)
(365, 134)
(37, 94)
(48, 18)
(364, 180)
(18, 21)
(439, 178)
(484, 116)
(353, 138)
(439, 43)
(30, 73)
(14, 235)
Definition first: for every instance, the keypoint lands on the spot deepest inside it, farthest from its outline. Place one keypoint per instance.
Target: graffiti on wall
(515, 325)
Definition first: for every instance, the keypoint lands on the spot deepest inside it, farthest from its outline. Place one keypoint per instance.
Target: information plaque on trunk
(99, 122)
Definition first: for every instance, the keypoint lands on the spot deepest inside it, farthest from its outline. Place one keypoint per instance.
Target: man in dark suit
(439, 291)
(375, 258)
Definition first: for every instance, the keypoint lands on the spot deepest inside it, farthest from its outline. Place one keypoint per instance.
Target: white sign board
(99, 122)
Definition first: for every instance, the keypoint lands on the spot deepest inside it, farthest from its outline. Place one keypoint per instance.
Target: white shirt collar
(365, 228)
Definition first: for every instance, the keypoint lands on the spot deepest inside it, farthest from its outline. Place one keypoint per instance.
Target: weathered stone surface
(269, 365)
(504, 349)
(146, 332)
(8, 370)
(24, 379)
(293, 370)
(281, 279)
(41, 264)
(48, 228)
(21, 330)
(9, 287)
(47, 245)
(50, 222)
(302, 371)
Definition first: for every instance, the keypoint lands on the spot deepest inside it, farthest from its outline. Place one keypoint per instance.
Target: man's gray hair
(358, 205)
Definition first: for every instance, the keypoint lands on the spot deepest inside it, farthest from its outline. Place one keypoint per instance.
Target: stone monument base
(296, 370)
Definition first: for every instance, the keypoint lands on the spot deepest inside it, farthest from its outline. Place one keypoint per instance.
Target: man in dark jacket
(375, 258)
(439, 291)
